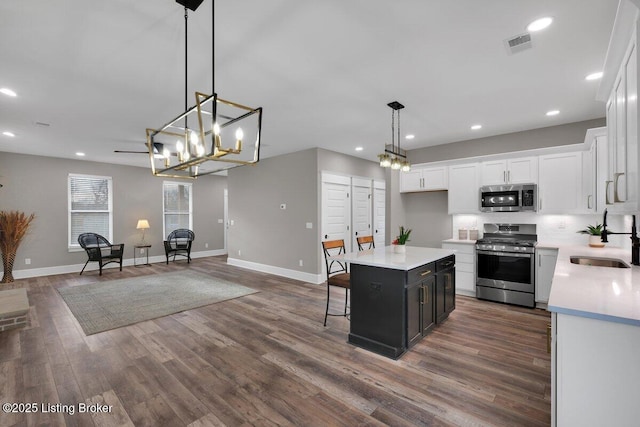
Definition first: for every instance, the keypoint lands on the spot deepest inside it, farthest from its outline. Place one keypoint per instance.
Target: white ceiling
(100, 72)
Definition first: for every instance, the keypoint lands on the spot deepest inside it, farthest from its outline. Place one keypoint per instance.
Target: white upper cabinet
(464, 188)
(622, 180)
(522, 170)
(560, 183)
(424, 179)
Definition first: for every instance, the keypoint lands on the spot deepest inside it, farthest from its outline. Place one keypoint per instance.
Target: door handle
(589, 197)
(606, 192)
(424, 273)
(616, 176)
(504, 176)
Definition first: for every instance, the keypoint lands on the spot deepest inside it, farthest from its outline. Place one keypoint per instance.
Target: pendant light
(394, 157)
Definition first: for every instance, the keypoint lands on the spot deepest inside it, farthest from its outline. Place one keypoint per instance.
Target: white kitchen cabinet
(622, 179)
(545, 267)
(595, 370)
(464, 188)
(465, 266)
(522, 170)
(560, 183)
(424, 179)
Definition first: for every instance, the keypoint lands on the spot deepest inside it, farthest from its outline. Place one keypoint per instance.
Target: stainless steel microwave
(509, 198)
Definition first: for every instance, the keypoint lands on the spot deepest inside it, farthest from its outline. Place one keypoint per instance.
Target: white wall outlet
(220, 221)
(283, 206)
(27, 261)
(309, 225)
(301, 263)
(206, 245)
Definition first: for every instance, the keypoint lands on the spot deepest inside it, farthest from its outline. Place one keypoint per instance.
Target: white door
(379, 206)
(361, 209)
(336, 209)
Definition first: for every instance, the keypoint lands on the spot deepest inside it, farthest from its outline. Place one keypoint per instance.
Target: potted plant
(401, 240)
(13, 227)
(594, 232)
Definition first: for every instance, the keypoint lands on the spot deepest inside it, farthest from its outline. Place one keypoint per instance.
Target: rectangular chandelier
(212, 136)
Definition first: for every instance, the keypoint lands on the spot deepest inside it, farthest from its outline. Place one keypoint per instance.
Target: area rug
(102, 306)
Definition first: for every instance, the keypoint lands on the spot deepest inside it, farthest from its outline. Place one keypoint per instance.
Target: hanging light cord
(186, 34)
(213, 47)
(399, 133)
(393, 144)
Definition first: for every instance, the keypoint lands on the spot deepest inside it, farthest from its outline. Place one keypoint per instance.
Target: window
(177, 201)
(90, 207)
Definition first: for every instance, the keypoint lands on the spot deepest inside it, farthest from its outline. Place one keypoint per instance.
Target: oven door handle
(513, 254)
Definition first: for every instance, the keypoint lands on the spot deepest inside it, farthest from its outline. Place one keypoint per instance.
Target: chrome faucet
(635, 241)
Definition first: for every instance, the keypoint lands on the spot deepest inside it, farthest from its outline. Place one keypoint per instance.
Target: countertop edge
(591, 315)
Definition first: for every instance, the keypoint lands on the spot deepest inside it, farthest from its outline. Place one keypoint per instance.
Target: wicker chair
(100, 250)
(179, 243)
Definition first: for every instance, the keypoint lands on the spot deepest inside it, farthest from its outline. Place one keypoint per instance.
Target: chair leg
(100, 268)
(346, 300)
(326, 312)
(85, 266)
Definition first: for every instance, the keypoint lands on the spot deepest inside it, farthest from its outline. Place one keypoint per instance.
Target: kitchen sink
(599, 262)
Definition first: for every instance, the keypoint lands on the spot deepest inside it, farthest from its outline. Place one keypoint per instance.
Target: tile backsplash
(551, 229)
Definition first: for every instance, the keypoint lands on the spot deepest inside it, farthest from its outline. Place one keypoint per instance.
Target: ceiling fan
(158, 149)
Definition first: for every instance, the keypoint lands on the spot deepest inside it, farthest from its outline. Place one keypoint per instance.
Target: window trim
(75, 246)
(187, 184)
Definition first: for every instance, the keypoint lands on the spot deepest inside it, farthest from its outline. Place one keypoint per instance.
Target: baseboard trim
(278, 271)
(92, 266)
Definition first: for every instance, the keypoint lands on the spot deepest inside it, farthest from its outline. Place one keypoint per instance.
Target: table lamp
(143, 224)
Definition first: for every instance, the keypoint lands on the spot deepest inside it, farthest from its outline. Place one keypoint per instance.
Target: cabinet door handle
(508, 176)
(606, 192)
(616, 176)
(504, 176)
(589, 197)
(424, 273)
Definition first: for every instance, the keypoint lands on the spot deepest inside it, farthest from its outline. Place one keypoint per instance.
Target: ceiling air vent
(518, 43)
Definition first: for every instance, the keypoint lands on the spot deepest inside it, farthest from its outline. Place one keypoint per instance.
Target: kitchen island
(397, 298)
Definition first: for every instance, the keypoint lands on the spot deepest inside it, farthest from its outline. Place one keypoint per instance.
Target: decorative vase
(595, 242)
(399, 249)
(7, 266)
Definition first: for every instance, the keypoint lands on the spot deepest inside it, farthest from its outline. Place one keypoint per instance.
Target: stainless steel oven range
(506, 264)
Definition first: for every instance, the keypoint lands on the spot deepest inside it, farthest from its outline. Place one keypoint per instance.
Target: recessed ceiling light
(359, 148)
(539, 24)
(80, 154)
(410, 136)
(7, 133)
(553, 113)
(476, 127)
(594, 76)
(8, 92)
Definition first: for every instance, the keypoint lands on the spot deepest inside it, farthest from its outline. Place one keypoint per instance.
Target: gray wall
(39, 185)
(426, 214)
(266, 234)
(572, 133)
(262, 232)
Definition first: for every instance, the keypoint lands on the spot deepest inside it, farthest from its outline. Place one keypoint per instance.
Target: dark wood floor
(266, 359)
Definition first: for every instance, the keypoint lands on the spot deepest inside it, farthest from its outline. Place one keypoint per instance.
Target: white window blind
(177, 203)
(90, 207)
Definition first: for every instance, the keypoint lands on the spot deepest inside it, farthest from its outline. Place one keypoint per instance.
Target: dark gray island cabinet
(397, 299)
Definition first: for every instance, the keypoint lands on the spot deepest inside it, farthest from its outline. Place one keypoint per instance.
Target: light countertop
(466, 242)
(387, 258)
(603, 293)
